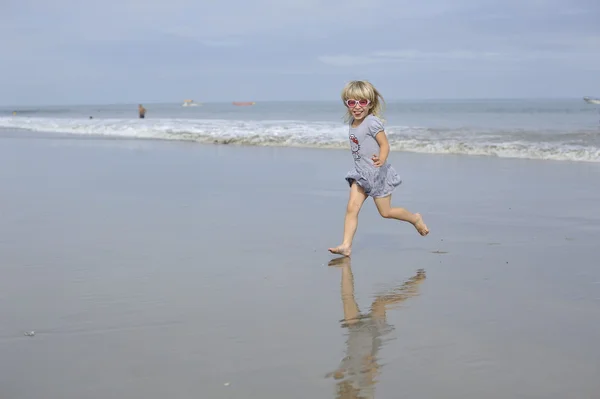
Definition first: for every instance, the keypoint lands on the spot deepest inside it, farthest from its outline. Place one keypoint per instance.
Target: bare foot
(420, 225)
(341, 250)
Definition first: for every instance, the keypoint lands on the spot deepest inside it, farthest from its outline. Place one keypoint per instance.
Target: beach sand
(175, 270)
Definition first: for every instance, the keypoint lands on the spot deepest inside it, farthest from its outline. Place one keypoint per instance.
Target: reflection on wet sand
(358, 370)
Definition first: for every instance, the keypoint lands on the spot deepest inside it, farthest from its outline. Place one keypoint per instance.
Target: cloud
(191, 34)
(222, 43)
(414, 57)
(457, 56)
(484, 35)
(344, 60)
(439, 55)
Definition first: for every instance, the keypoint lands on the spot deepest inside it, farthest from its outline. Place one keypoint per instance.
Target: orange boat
(243, 103)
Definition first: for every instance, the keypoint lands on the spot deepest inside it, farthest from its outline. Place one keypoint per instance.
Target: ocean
(559, 130)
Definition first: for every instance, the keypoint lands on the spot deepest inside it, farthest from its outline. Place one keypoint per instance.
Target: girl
(372, 176)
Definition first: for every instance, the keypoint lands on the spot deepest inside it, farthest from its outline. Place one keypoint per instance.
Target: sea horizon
(6, 107)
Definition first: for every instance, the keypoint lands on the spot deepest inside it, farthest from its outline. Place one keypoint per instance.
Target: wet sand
(157, 269)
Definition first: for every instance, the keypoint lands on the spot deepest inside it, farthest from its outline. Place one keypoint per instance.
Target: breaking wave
(582, 146)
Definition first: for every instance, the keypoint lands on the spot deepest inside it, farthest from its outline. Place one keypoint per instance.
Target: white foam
(515, 144)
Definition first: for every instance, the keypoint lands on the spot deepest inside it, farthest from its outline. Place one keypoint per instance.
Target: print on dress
(354, 147)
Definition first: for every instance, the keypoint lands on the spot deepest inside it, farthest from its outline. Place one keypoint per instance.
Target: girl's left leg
(385, 209)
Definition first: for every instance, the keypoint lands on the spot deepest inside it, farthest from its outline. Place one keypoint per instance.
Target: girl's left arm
(384, 146)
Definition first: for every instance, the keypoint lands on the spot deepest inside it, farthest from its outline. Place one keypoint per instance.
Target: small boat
(243, 103)
(189, 103)
(591, 100)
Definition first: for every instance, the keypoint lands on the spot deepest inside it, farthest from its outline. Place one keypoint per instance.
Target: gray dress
(377, 182)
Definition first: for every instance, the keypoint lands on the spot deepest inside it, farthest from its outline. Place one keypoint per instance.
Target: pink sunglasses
(352, 103)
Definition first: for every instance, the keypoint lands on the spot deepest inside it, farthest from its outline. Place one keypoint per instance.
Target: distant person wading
(142, 111)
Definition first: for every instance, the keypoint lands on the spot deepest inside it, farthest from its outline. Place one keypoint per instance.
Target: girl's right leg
(355, 202)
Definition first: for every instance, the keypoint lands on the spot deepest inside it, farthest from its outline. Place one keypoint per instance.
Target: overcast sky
(115, 51)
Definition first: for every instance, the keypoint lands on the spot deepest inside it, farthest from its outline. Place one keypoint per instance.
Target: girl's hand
(376, 161)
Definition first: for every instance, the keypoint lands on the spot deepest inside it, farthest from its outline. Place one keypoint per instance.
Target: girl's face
(359, 108)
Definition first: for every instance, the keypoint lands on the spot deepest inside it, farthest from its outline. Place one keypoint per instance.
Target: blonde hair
(363, 90)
